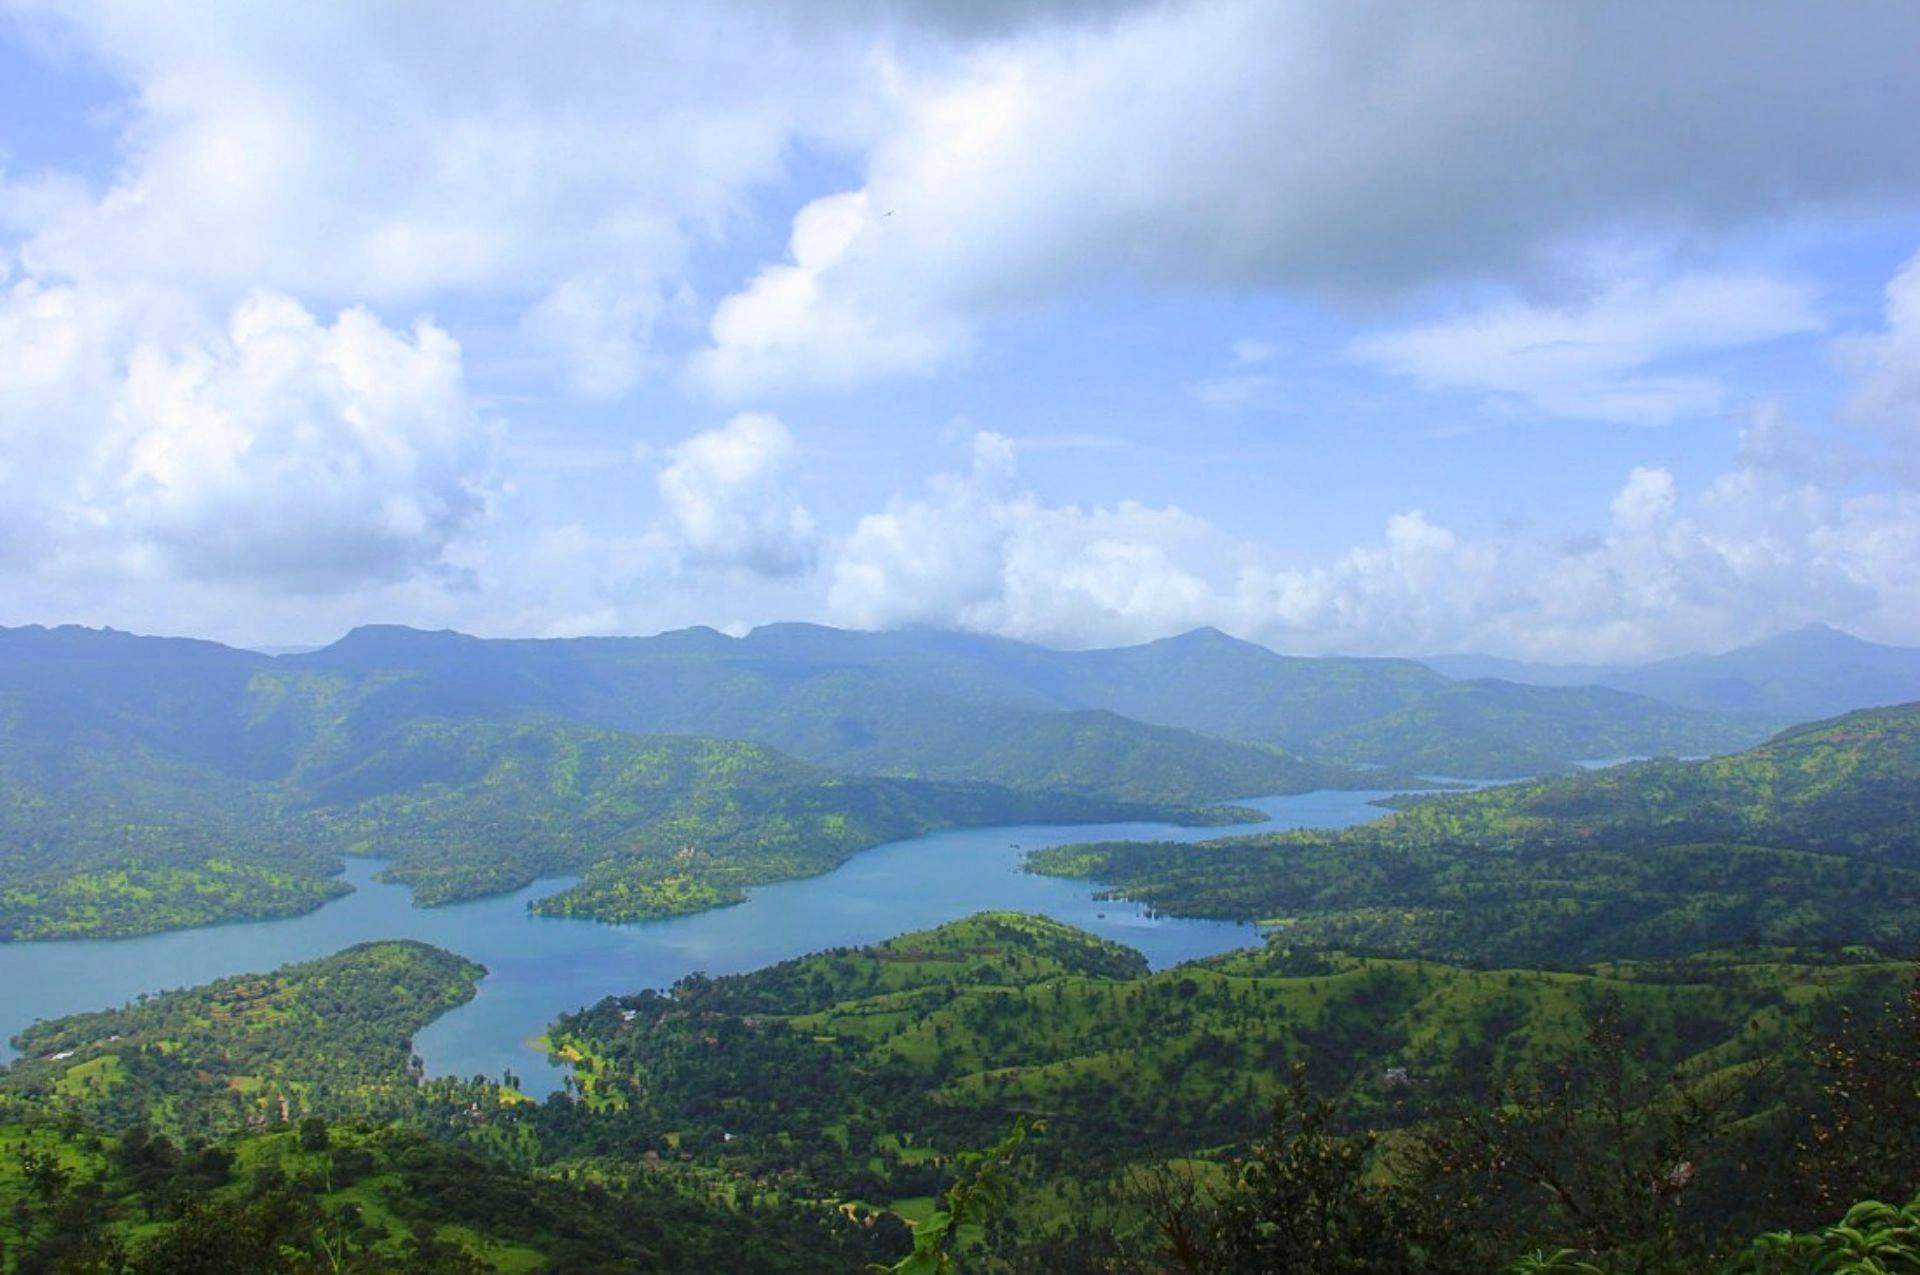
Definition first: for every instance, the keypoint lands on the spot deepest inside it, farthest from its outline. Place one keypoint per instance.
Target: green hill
(863, 1071)
(864, 712)
(333, 1035)
(1811, 837)
(112, 823)
(1463, 728)
(658, 825)
(379, 1199)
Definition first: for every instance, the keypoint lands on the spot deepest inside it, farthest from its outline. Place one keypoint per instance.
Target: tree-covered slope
(1465, 728)
(864, 1070)
(376, 1200)
(105, 831)
(333, 1034)
(1848, 786)
(112, 824)
(1812, 837)
(657, 824)
(871, 709)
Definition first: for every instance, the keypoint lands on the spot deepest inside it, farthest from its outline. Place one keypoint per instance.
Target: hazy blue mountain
(946, 704)
(1801, 675)
(941, 706)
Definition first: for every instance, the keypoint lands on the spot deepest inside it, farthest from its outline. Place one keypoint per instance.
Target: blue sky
(1556, 331)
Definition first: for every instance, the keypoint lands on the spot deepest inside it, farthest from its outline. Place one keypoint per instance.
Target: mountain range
(954, 705)
(1801, 675)
(156, 782)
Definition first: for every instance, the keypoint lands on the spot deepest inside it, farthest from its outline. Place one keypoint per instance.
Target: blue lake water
(539, 967)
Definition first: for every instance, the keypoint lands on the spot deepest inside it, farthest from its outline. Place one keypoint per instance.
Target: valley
(410, 925)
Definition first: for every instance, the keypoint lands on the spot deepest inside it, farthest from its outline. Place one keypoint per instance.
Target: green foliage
(1873, 1239)
(1305, 1198)
(657, 826)
(139, 897)
(858, 1073)
(977, 1197)
(1601, 1169)
(373, 1200)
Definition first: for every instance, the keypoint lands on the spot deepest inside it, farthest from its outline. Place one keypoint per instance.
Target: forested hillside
(936, 719)
(1812, 837)
(332, 1035)
(377, 1200)
(658, 825)
(118, 822)
(865, 1071)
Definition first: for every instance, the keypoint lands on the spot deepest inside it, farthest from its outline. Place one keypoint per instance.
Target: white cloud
(729, 499)
(1600, 358)
(1245, 144)
(1233, 392)
(1885, 367)
(361, 153)
(598, 330)
(793, 324)
(1646, 500)
(1747, 556)
(278, 450)
(1244, 384)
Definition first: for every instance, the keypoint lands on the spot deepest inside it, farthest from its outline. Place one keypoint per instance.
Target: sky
(1564, 332)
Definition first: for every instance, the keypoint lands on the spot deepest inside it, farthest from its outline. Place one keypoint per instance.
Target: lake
(539, 967)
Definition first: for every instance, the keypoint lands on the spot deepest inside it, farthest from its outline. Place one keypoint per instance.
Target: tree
(1302, 1200)
(979, 1195)
(1863, 1138)
(1593, 1159)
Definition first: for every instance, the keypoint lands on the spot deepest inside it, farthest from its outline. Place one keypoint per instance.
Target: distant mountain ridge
(263, 717)
(1804, 674)
(907, 701)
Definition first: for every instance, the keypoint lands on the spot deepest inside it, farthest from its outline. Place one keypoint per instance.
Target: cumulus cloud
(208, 380)
(794, 325)
(1885, 366)
(359, 153)
(729, 498)
(597, 331)
(275, 449)
(1746, 556)
(1603, 357)
(1242, 144)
